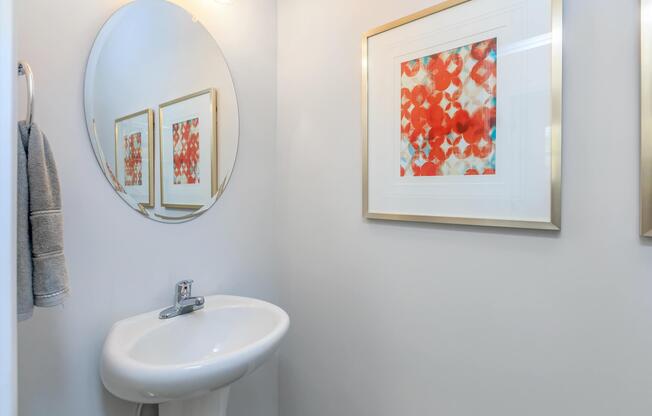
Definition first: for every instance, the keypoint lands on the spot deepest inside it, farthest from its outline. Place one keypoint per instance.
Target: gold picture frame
(646, 120)
(213, 152)
(556, 130)
(150, 151)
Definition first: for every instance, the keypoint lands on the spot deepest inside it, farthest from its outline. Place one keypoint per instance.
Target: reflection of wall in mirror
(178, 62)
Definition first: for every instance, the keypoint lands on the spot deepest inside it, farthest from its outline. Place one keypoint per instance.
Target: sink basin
(150, 360)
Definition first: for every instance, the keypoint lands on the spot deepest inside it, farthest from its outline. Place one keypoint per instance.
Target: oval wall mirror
(161, 110)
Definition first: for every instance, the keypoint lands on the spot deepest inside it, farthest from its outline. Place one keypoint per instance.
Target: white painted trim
(8, 381)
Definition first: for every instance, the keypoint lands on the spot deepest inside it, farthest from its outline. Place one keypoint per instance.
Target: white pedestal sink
(187, 363)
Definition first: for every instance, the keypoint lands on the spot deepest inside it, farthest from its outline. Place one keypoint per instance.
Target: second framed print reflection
(134, 150)
(188, 145)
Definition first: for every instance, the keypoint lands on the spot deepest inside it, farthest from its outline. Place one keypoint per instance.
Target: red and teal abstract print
(133, 159)
(185, 136)
(448, 112)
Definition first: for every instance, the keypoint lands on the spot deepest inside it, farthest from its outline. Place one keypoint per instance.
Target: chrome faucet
(184, 302)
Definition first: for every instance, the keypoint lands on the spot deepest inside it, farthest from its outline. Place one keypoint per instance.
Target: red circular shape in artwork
(429, 169)
(419, 95)
(410, 68)
(439, 121)
(460, 122)
(419, 119)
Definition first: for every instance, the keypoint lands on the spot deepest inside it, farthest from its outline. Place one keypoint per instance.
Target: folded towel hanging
(41, 267)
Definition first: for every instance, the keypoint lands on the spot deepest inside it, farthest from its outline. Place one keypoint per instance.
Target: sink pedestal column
(211, 404)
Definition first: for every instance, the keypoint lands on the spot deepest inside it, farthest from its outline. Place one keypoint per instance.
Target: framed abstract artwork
(461, 108)
(134, 156)
(188, 150)
(646, 119)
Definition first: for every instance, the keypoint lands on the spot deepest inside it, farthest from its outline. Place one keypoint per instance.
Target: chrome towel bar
(25, 70)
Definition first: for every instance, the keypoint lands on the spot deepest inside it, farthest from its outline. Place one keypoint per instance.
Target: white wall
(387, 318)
(119, 263)
(405, 319)
(7, 212)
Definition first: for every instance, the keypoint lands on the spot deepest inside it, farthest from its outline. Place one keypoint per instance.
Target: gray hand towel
(42, 274)
(25, 297)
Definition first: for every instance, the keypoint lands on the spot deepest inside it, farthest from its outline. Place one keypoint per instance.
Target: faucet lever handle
(183, 289)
